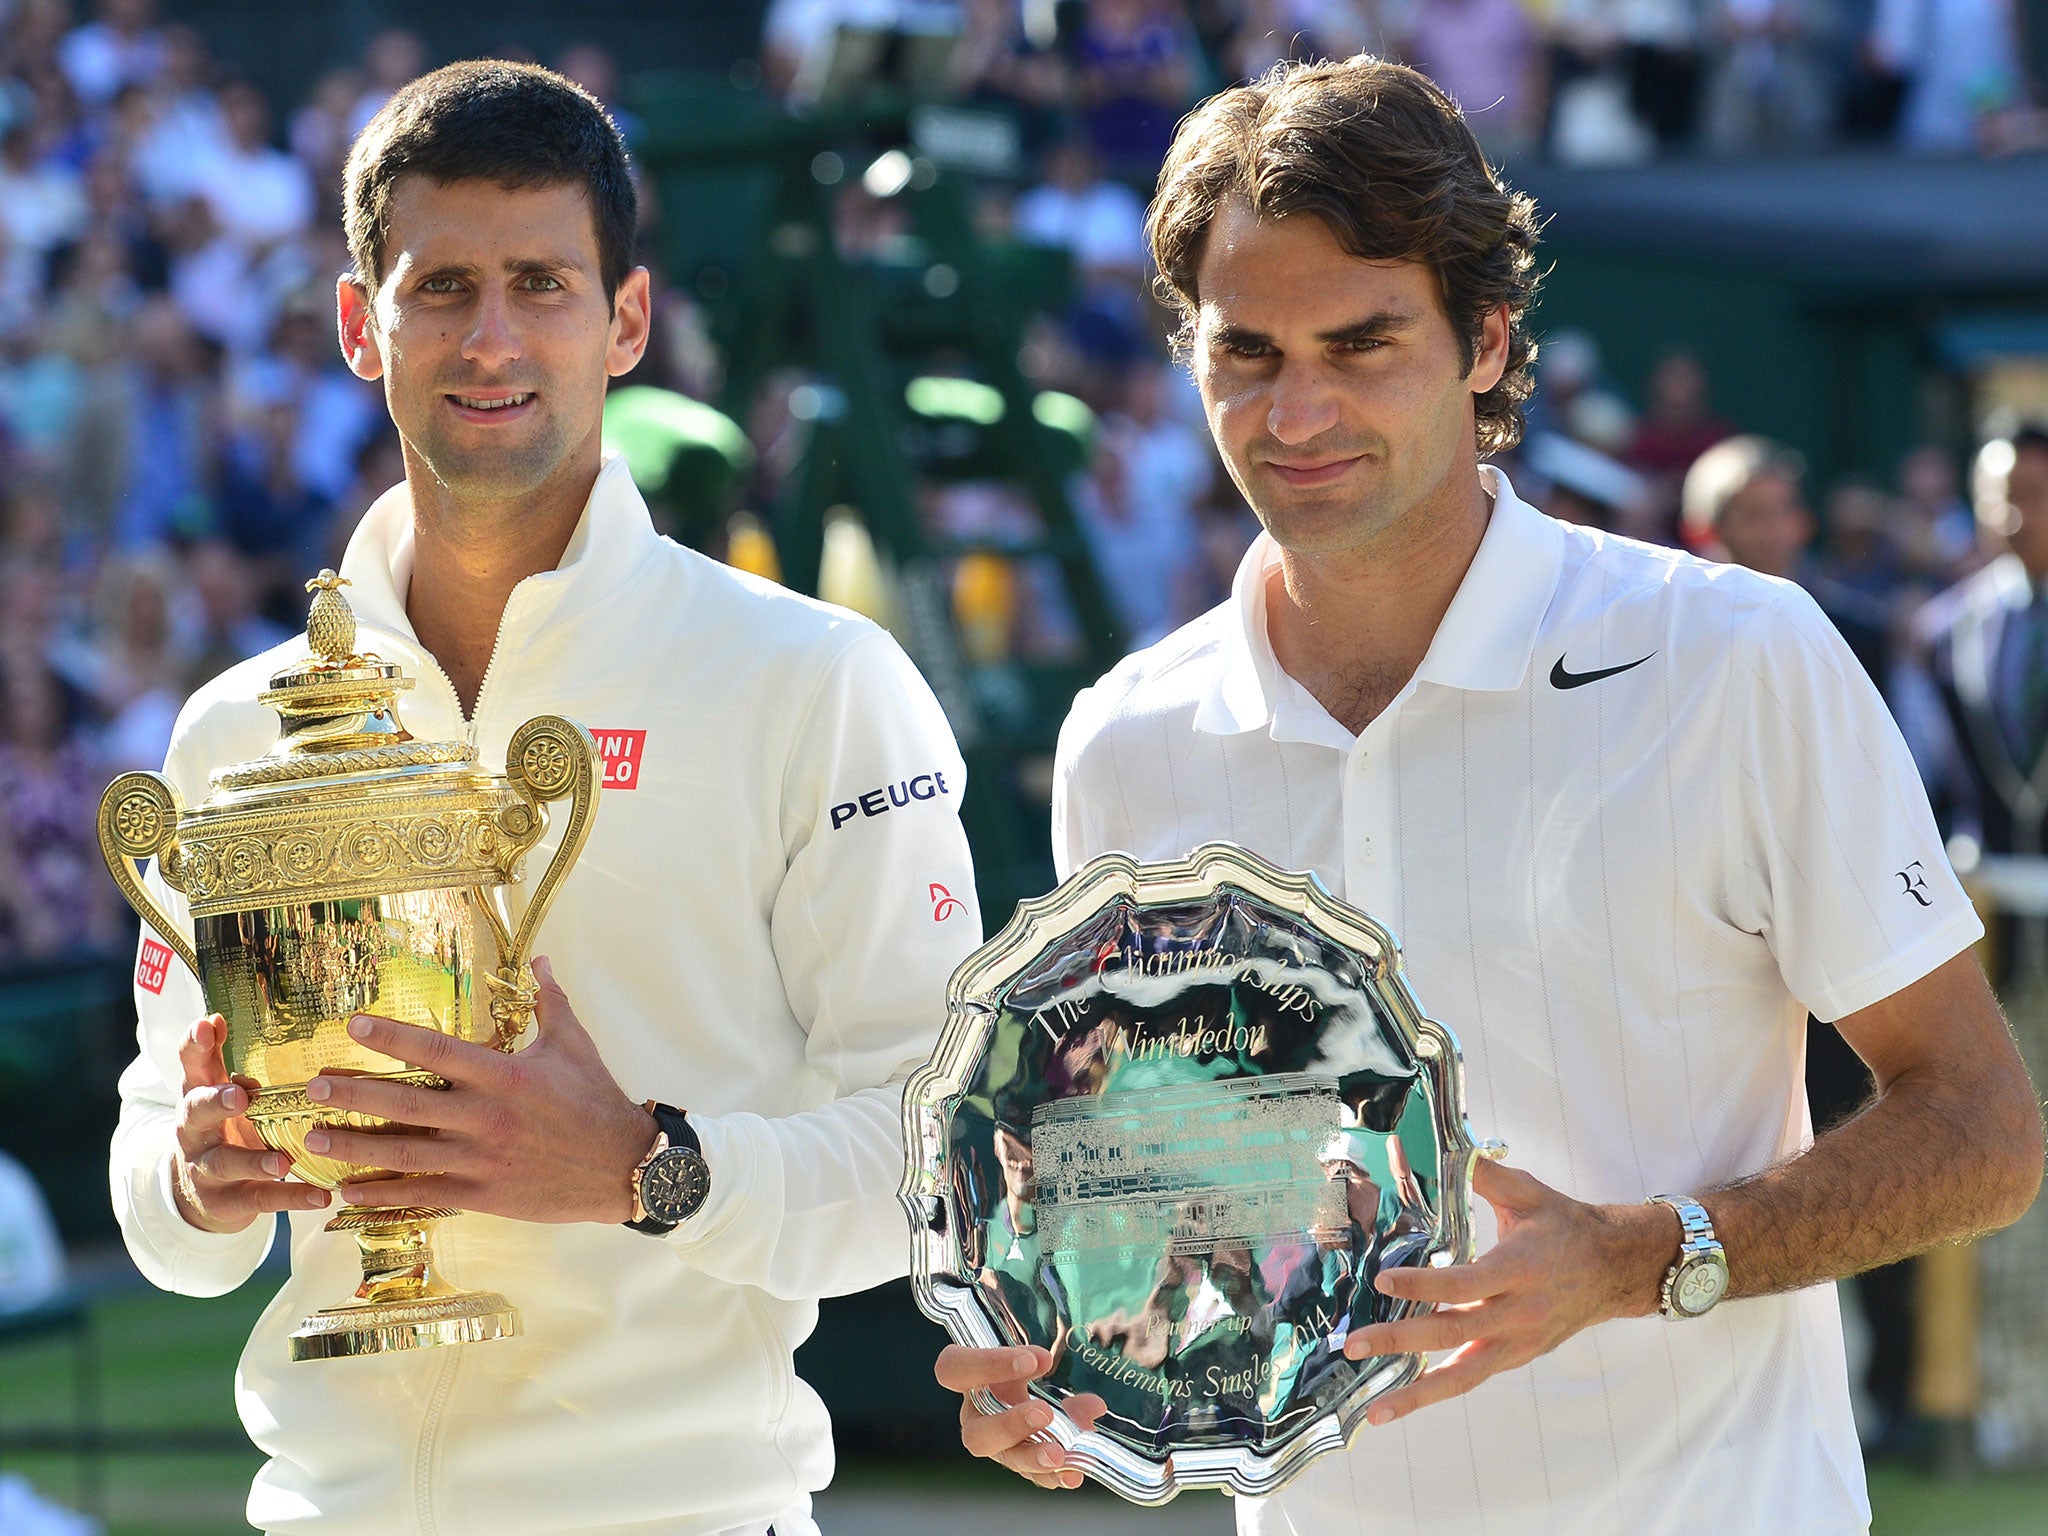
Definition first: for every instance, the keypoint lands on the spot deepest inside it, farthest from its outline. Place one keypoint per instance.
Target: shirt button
(1359, 764)
(1367, 850)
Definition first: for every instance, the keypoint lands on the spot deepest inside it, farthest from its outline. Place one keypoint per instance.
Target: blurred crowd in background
(1586, 81)
(181, 445)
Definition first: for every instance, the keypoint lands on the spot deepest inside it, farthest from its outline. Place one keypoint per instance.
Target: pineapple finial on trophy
(331, 626)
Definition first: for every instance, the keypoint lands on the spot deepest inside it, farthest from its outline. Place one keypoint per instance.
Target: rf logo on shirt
(1913, 883)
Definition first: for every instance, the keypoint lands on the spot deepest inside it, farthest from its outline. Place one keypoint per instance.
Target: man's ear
(354, 311)
(1490, 358)
(632, 320)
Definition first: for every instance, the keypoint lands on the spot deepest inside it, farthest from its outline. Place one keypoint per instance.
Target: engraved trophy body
(356, 870)
(1180, 1117)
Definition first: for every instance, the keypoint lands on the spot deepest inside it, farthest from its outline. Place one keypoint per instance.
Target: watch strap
(675, 1123)
(673, 1130)
(1696, 1241)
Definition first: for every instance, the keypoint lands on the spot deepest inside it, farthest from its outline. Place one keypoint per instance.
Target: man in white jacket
(759, 929)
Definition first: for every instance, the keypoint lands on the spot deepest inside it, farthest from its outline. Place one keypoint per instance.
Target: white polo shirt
(1624, 893)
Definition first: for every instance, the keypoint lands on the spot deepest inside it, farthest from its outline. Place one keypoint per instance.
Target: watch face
(674, 1185)
(1699, 1286)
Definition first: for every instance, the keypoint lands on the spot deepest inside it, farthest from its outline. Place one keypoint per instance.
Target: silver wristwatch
(1699, 1278)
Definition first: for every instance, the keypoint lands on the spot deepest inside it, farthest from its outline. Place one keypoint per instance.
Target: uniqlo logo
(154, 968)
(621, 751)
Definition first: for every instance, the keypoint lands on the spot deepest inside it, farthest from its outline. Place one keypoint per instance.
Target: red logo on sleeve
(944, 902)
(153, 969)
(621, 751)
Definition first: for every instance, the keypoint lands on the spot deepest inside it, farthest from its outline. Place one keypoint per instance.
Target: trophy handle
(139, 820)
(549, 758)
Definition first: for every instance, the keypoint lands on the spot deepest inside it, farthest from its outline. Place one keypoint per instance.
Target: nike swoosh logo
(1559, 678)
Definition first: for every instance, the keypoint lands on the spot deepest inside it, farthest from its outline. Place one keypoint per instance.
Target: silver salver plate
(1180, 1117)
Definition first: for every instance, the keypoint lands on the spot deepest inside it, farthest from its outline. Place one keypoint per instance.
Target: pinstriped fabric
(1622, 897)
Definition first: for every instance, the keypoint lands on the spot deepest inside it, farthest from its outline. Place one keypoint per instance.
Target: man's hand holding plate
(1015, 1437)
(1560, 1266)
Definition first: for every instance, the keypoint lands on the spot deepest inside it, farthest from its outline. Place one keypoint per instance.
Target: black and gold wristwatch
(673, 1180)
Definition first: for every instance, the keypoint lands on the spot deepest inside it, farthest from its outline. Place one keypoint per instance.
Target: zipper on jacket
(483, 688)
(430, 1435)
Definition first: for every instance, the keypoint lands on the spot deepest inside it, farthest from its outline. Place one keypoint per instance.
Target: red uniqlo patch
(621, 751)
(154, 968)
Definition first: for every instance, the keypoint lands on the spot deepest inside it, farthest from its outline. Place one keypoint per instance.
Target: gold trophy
(357, 870)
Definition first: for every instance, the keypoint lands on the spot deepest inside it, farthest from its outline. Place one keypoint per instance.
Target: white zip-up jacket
(760, 930)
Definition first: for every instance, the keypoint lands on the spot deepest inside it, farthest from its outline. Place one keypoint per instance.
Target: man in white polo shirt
(1633, 816)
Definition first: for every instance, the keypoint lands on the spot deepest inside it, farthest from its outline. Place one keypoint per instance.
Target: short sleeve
(1834, 857)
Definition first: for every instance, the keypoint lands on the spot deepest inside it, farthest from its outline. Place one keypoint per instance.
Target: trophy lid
(338, 710)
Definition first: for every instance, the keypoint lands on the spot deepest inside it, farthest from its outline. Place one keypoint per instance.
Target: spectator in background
(1862, 546)
(213, 278)
(121, 48)
(1960, 63)
(1137, 504)
(1643, 55)
(1984, 645)
(335, 412)
(139, 683)
(1267, 32)
(1676, 427)
(226, 626)
(319, 134)
(1765, 86)
(259, 195)
(167, 445)
(31, 1253)
(1678, 423)
(393, 57)
(268, 510)
(593, 68)
(34, 35)
(1100, 223)
(1137, 62)
(1577, 483)
(797, 36)
(115, 211)
(1224, 530)
(54, 898)
(42, 206)
(88, 315)
(1488, 57)
(1938, 532)
(1743, 503)
(178, 128)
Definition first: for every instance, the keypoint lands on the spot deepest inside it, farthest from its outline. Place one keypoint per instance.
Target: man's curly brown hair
(1383, 157)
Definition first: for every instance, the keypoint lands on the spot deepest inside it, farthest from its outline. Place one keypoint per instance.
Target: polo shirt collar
(1484, 642)
(613, 535)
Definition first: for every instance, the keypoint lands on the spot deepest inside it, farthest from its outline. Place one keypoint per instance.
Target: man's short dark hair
(1383, 157)
(518, 125)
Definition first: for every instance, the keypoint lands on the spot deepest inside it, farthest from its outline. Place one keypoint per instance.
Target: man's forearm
(1944, 1152)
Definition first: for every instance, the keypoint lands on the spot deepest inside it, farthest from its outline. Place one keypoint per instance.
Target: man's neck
(469, 555)
(1353, 626)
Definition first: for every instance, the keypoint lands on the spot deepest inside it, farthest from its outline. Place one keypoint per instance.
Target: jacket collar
(1484, 642)
(612, 537)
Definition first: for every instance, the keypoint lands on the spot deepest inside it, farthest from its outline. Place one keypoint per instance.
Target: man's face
(2026, 489)
(492, 332)
(1766, 525)
(1334, 386)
